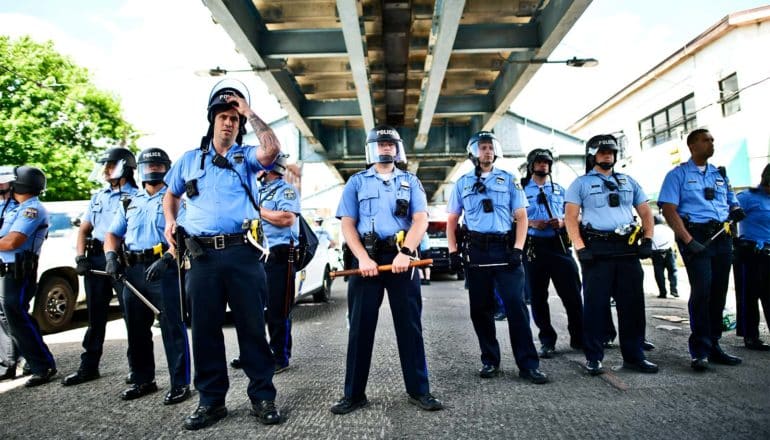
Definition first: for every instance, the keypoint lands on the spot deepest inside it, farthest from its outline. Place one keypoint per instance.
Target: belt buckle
(219, 242)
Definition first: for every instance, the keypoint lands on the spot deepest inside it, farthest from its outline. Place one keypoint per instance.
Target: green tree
(53, 117)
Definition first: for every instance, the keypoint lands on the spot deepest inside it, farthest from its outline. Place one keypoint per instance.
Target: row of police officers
(223, 217)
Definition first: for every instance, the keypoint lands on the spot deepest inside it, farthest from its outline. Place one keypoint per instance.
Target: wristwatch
(406, 251)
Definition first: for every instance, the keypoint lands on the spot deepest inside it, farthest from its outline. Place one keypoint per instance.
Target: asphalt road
(725, 402)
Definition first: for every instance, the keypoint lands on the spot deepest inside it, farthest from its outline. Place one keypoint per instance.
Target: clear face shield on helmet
(479, 147)
(106, 171)
(152, 172)
(385, 151)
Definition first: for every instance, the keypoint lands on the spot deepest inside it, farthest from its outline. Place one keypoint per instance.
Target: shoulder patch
(289, 194)
(30, 213)
(499, 180)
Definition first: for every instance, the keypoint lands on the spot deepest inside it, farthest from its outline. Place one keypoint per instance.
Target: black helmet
(539, 154)
(29, 180)
(598, 143)
(279, 166)
(152, 155)
(217, 103)
(118, 154)
(473, 145)
(384, 133)
(766, 176)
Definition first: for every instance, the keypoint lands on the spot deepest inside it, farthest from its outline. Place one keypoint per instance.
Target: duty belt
(750, 246)
(94, 246)
(143, 256)
(708, 229)
(596, 235)
(480, 238)
(220, 242)
(386, 245)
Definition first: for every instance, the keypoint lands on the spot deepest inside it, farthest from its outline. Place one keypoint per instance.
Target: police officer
(664, 258)
(549, 253)
(116, 166)
(696, 199)
(140, 226)
(218, 179)
(605, 238)
(279, 208)
(376, 204)
(491, 199)
(322, 233)
(752, 263)
(25, 227)
(9, 355)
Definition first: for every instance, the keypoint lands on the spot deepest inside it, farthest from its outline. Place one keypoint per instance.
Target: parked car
(438, 249)
(59, 289)
(314, 279)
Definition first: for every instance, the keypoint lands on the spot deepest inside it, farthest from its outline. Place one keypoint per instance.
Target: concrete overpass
(438, 70)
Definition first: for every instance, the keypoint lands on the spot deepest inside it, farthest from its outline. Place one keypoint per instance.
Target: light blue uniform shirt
(103, 207)
(4, 209)
(222, 204)
(280, 195)
(372, 202)
(502, 188)
(554, 194)
(756, 225)
(29, 218)
(592, 195)
(684, 185)
(142, 223)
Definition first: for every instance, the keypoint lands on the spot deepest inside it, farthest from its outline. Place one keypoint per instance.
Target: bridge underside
(438, 70)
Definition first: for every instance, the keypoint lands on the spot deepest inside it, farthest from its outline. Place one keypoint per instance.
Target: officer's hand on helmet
(113, 266)
(156, 270)
(514, 259)
(695, 247)
(82, 265)
(585, 255)
(239, 104)
(368, 267)
(455, 261)
(400, 263)
(737, 215)
(645, 248)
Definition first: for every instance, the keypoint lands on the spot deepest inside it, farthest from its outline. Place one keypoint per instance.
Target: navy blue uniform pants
(664, 261)
(550, 263)
(509, 282)
(365, 296)
(15, 296)
(280, 302)
(709, 275)
(752, 285)
(99, 291)
(233, 276)
(163, 294)
(620, 278)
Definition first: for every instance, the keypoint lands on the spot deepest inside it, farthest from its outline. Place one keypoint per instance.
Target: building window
(668, 123)
(729, 96)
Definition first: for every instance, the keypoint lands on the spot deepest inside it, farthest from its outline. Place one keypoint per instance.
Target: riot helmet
(217, 102)
(384, 134)
(29, 180)
(6, 177)
(479, 137)
(147, 172)
(539, 154)
(279, 166)
(124, 161)
(601, 142)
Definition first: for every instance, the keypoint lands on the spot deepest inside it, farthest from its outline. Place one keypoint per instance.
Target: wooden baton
(383, 268)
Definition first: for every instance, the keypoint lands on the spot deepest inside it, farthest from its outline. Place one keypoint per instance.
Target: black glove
(585, 255)
(158, 268)
(695, 247)
(514, 260)
(737, 215)
(82, 265)
(645, 248)
(113, 266)
(455, 261)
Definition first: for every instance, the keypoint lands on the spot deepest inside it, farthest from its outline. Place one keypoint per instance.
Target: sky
(147, 53)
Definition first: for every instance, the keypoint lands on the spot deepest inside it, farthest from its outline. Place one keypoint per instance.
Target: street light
(572, 62)
(218, 71)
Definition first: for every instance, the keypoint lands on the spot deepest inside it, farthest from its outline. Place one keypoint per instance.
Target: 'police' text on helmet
(149, 160)
(601, 142)
(384, 134)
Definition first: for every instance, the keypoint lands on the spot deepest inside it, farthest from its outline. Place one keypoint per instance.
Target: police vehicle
(438, 249)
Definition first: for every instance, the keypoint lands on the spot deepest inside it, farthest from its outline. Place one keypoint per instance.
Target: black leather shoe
(280, 368)
(594, 368)
(426, 402)
(662, 295)
(675, 294)
(346, 405)
(177, 394)
(489, 371)
(10, 373)
(647, 345)
(534, 375)
(79, 377)
(136, 391)
(699, 364)
(720, 357)
(609, 345)
(500, 316)
(236, 363)
(266, 412)
(40, 379)
(204, 416)
(546, 352)
(643, 366)
(756, 344)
